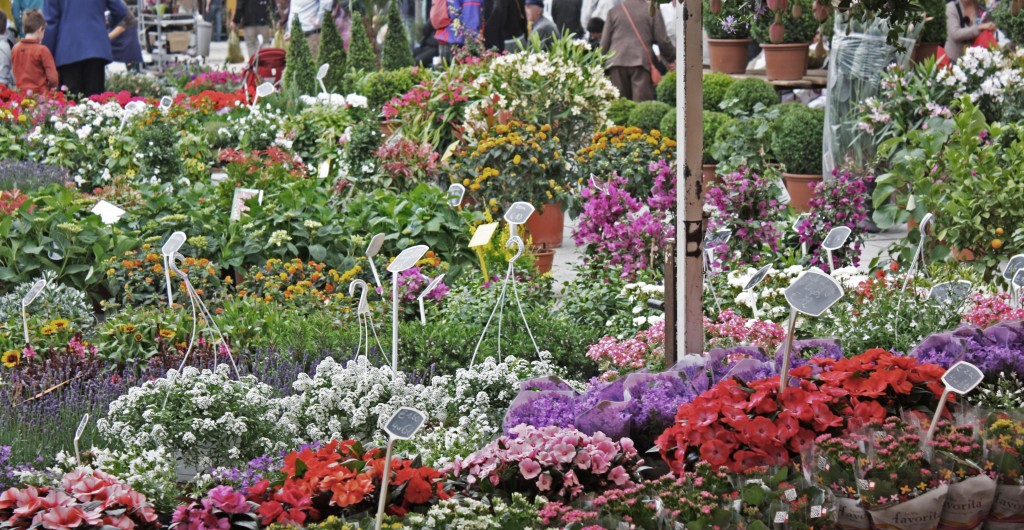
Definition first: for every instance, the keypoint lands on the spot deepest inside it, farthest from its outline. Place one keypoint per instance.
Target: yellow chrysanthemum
(11, 358)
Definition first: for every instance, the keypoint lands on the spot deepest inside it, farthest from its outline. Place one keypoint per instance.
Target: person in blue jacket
(124, 41)
(76, 34)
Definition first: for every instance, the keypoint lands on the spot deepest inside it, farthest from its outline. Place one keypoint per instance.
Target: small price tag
(483, 235)
(865, 485)
(325, 168)
(823, 463)
(790, 494)
(818, 512)
(781, 517)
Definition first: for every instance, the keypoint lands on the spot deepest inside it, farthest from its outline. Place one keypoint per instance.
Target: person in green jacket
(20, 6)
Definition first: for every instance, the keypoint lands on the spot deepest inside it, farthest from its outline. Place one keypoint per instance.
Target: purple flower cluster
(999, 348)
(841, 201)
(748, 205)
(29, 176)
(622, 228)
(411, 283)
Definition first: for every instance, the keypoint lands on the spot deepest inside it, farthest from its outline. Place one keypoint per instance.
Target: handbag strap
(637, 33)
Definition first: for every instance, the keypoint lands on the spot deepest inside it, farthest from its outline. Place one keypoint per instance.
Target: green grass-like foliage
(332, 52)
(360, 50)
(796, 142)
(397, 53)
(750, 91)
(299, 74)
(648, 114)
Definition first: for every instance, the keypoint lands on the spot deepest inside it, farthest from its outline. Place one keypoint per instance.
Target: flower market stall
(326, 307)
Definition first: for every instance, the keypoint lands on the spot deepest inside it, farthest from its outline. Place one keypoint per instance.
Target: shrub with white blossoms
(256, 130)
(79, 139)
(475, 402)
(205, 418)
(466, 513)
(355, 401)
(989, 77)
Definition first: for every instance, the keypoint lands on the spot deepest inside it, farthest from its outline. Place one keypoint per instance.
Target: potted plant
(785, 34)
(797, 145)
(934, 33)
(728, 38)
(1009, 16)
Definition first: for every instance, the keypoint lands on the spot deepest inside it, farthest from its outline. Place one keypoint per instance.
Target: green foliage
(713, 21)
(796, 29)
(667, 126)
(713, 123)
(397, 51)
(361, 56)
(379, 87)
(136, 84)
(1012, 26)
(716, 84)
(935, 29)
(666, 89)
(332, 52)
(619, 110)
(648, 114)
(300, 73)
(797, 140)
(748, 92)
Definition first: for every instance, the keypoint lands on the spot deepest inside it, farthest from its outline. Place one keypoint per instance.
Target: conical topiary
(332, 52)
(360, 51)
(299, 73)
(397, 51)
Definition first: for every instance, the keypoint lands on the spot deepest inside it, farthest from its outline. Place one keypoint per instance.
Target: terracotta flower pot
(786, 62)
(546, 227)
(924, 50)
(799, 189)
(545, 258)
(728, 55)
(709, 173)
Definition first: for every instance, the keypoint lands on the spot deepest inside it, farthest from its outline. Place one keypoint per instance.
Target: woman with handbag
(630, 32)
(964, 25)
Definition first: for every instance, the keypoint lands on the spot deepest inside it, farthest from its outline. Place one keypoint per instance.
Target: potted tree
(934, 33)
(796, 144)
(785, 34)
(728, 37)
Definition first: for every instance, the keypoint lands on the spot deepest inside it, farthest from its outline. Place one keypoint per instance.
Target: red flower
(60, 518)
(418, 491)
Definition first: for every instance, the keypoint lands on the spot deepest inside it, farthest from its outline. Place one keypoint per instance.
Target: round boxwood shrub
(796, 29)
(666, 89)
(713, 123)
(668, 124)
(750, 91)
(796, 142)
(619, 110)
(648, 115)
(724, 24)
(716, 84)
(935, 29)
(1012, 26)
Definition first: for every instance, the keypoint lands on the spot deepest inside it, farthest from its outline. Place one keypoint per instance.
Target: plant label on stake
(835, 240)
(926, 221)
(165, 103)
(30, 296)
(324, 170)
(756, 279)
(813, 293)
(1015, 264)
(171, 247)
(376, 242)
(320, 75)
(405, 261)
(955, 292)
(516, 215)
(481, 237)
(430, 287)
(455, 194)
(712, 240)
(1018, 284)
(218, 177)
(263, 91)
(404, 423)
(109, 213)
(238, 206)
(961, 378)
(78, 436)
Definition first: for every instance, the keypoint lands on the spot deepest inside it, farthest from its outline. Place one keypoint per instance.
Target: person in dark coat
(76, 34)
(254, 17)
(630, 31)
(428, 48)
(566, 15)
(124, 41)
(504, 20)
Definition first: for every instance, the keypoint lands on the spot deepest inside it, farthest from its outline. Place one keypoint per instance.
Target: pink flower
(529, 468)
(563, 453)
(228, 500)
(544, 482)
(59, 518)
(619, 476)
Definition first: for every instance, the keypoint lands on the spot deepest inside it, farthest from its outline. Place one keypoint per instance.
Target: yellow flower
(167, 334)
(11, 358)
(127, 328)
(922, 486)
(517, 159)
(138, 337)
(60, 323)
(48, 330)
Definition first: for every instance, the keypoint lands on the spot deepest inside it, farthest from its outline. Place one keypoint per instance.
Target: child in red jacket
(33, 64)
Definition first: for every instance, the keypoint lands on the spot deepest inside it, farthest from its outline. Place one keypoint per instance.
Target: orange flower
(353, 491)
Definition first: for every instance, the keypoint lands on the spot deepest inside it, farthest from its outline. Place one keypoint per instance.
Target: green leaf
(317, 252)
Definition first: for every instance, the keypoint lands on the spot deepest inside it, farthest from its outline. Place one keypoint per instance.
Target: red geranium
(741, 425)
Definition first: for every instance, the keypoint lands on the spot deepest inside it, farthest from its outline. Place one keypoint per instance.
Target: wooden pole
(689, 186)
(671, 357)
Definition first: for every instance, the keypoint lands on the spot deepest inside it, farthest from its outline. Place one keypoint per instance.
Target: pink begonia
(986, 310)
(731, 328)
(529, 468)
(633, 353)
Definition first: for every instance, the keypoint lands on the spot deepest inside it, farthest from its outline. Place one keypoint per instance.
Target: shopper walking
(254, 17)
(310, 13)
(76, 34)
(630, 31)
